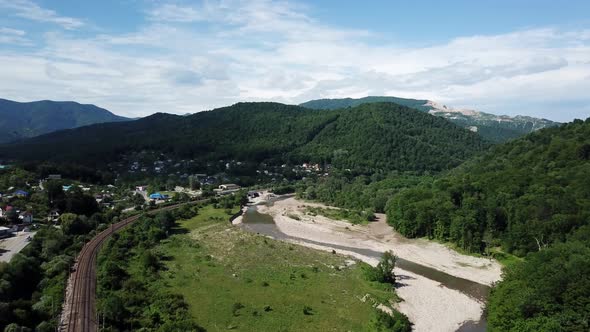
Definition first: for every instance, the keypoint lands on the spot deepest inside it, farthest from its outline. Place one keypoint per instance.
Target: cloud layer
(188, 58)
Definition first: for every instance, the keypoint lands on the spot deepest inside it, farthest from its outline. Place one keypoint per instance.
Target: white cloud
(175, 13)
(189, 58)
(13, 36)
(30, 10)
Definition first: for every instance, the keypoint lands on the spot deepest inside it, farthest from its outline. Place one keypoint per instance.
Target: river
(256, 222)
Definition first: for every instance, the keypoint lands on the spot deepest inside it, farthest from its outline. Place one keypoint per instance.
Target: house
(141, 188)
(4, 211)
(54, 177)
(53, 216)
(26, 217)
(225, 189)
(4, 232)
(158, 196)
(21, 193)
(229, 186)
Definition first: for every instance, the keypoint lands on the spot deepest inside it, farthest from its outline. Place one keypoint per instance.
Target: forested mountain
(494, 128)
(24, 120)
(331, 104)
(369, 137)
(528, 196)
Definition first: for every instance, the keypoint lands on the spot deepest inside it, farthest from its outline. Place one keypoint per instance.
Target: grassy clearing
(232, 279)
(352, 216)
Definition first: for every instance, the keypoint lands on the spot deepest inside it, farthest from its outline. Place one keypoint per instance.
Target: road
(13, 245)
(79, 312)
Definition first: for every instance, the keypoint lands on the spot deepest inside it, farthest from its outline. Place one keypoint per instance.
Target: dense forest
(369, 137)
(522, 195)
(490, 127)
(529, 197)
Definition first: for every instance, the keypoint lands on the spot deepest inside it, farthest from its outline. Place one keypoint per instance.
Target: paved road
(13, 245)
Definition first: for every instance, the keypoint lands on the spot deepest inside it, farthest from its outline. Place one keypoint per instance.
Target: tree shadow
(178, 230)
(399, 280)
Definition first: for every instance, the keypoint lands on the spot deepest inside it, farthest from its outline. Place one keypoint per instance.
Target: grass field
(354, 217)
(234, 280)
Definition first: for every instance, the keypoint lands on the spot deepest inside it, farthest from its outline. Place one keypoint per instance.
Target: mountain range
(369, 137)
(25, 120)
(494, 128)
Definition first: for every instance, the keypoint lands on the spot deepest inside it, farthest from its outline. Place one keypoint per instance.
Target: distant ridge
(24, 120)
(366, 138)
(494, 128)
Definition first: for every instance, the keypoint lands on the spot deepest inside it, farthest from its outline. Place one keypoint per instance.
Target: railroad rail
(79, 313)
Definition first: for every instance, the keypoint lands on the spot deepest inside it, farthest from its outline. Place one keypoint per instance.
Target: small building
(4, 232)
(225, 189)
(53, 216)
(54, 177)
(253, 194)
(4, 211)
(21, 193)
(158, 196)
(141, 188)
(229, 186)
(26, 217)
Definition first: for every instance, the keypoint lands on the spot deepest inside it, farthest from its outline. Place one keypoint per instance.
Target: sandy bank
(379, 236)
(428, 304)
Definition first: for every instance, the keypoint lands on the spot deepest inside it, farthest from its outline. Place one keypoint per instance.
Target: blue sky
(137, 57)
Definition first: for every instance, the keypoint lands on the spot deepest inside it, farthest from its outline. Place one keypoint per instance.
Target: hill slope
(529, 197)
(522, 195)
(368, 137)
(495, 128)
(24, 120)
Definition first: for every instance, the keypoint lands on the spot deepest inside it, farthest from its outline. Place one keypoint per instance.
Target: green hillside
(24, 120)
(491, 127)
(330, 104)
(529, 197)
(368, 137)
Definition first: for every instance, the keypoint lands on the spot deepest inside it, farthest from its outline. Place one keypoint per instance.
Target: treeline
(370, 137)
(358, 192)
(130, 301)
(550, 291)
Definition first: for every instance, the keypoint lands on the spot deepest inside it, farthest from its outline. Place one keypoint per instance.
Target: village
(32, 202)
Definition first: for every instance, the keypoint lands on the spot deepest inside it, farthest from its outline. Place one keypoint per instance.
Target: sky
(138, 57)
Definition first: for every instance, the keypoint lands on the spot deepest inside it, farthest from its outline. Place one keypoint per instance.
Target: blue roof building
(21, 193)
(158, 196)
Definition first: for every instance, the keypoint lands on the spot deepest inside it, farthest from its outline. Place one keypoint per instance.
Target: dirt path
(427, 303)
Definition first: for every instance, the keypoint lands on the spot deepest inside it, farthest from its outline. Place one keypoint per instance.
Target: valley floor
(236, 280)
(429, 305)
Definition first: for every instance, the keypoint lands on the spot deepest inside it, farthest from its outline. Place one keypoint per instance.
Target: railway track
(80, 306)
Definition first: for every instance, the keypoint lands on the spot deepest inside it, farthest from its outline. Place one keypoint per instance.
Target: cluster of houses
(23, 220)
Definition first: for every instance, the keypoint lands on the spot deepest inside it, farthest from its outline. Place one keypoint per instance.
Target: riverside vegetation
(230, 279)
(526, 198)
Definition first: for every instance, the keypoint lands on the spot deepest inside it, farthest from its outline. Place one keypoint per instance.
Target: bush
(383, 272)
(383, 322)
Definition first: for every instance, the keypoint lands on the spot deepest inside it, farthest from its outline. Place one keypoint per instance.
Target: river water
(256, 222)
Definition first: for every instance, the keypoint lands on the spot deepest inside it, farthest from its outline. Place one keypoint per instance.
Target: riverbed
(442, 290)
